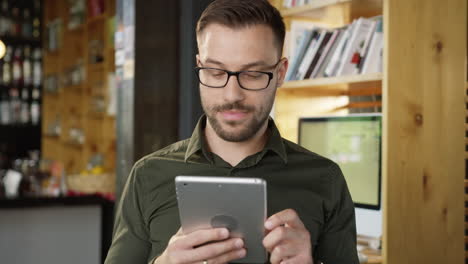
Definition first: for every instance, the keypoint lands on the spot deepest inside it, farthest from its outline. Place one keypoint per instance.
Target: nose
(232, 92)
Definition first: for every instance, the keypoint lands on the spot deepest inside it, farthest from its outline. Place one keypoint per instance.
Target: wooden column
(424, 116)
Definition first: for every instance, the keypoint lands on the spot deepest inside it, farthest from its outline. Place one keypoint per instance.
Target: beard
(237, 131)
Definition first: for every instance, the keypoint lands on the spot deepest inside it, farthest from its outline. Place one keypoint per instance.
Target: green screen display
(354, 143)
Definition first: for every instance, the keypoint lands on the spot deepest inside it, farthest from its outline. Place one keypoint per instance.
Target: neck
(235, 152)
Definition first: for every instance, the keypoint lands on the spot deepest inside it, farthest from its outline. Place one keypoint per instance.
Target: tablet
(239, 204)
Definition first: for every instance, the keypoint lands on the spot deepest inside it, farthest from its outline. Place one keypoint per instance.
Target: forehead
(235, 46)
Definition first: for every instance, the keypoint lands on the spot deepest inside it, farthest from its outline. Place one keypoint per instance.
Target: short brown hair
(244, 13)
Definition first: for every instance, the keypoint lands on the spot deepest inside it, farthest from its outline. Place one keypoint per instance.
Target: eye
(253, 75)
(214, 73)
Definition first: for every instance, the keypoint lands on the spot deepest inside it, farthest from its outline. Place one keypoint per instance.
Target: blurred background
(88, 87)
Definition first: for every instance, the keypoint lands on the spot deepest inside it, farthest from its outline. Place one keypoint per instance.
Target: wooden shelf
(73, 100)
(315, 5)
(315, 8)
(51, 136)
(96, 66)
(74, 88)
(77, 29)
(99, 18)
(364, 104)
(74, 144)
(342, 80)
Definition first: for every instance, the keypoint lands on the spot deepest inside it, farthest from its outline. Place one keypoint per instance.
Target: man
(239, 69)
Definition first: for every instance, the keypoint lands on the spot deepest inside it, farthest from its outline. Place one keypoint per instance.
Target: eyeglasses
(248, 80)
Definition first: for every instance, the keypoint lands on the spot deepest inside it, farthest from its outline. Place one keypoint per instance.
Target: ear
(283, 68)
(197, 57)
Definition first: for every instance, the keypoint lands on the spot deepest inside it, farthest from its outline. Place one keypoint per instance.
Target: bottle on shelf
(5, 20)
(15, 105)
(37, 67)
(27, 25)
(5, 109)
(36, 28)
(27, 66)
(17, 65)
(15, 28)
(25, 109)
(6, 71)
(35, 106)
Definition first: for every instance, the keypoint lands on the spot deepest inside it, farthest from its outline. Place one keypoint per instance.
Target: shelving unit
(19, 137)
(425, 51)
(75, 104)
(326, 96)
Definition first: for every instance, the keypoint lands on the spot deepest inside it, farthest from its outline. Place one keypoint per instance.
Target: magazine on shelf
(364, 50)
(316, 51)
(325, 51)
(295, 34)
(317, 38)
(350, 59)
(299, 54)
(334, 45)
(320, 49)
(332, 67)
(373, 59)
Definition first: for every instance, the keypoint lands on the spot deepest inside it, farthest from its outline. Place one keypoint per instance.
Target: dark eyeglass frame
(236, 73)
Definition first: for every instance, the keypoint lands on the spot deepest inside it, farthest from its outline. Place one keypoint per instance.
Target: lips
(233, 115)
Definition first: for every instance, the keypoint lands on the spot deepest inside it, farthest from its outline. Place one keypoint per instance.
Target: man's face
(234, 113)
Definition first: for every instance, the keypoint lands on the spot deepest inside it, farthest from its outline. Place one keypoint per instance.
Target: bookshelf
(423, 107)
(334, 81)
(318, 9)
(83, 64)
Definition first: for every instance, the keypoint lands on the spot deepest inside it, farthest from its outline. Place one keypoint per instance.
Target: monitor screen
(354, 143)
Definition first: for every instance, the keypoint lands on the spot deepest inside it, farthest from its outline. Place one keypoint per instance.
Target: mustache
(232, 106)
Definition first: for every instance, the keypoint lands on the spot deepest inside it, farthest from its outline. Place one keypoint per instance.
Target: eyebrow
(243, 67)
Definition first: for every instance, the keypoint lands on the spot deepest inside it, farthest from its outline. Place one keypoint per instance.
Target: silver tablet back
(238, 204)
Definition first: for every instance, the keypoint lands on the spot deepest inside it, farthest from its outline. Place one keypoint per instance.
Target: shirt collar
(197, 141)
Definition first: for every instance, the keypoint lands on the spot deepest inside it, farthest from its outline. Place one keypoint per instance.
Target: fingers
(230, 256)
(201, 237)
(278, 235)
(286, 217)
(282, 253)
(223, 250)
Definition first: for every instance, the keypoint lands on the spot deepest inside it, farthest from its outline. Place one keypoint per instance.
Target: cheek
(210, 97)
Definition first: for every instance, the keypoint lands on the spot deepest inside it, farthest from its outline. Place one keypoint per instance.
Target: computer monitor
(354, 143)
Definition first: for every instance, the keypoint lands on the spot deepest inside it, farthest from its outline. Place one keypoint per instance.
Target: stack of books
(318, 52)
(294, 3)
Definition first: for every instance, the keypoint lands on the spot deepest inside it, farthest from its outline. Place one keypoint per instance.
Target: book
(333, 47)
(323, 43)
(325, 54)
(295, 34)
(310, 53)
(365, 48)
(334, 63)
(299, 54)
(351, 55)
(373, 59)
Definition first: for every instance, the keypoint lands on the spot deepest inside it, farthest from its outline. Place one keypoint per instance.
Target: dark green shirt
(314, 186)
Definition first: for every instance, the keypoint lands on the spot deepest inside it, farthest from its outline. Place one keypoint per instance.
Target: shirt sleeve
(337, 242)
(130, 242)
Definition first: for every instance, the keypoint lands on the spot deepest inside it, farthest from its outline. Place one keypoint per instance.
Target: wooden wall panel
(423, 152)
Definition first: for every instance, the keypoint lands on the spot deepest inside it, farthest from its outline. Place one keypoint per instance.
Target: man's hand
(193, 248)
(288, 241)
